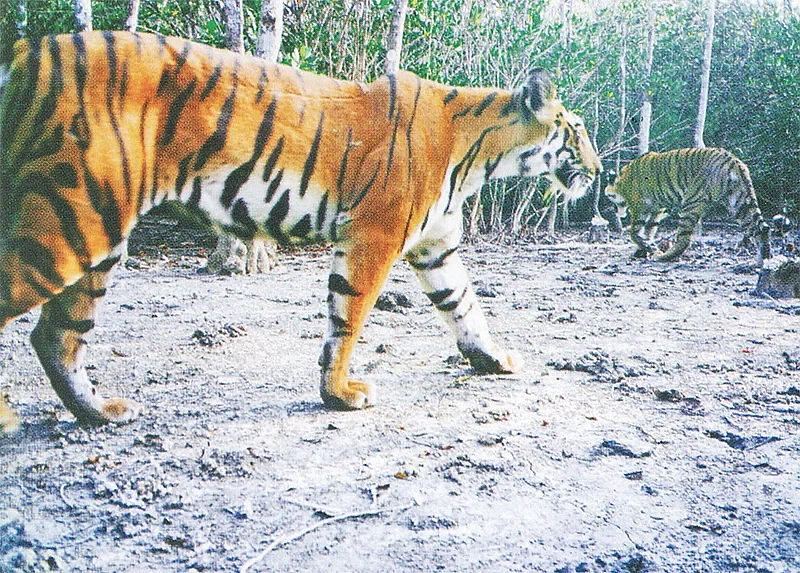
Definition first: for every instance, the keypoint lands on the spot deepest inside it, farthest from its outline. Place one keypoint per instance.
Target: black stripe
(112, 63)
(450, 96)
(21, 97)
(123, 84)
(38, 184)
(491, 165)
(339, 285)
(163, 82)
(302, 228)
(435, 263)
(217, 139)
(64, 175)
(106, 265)
(239, 176)
(79, 130)
(48, 104)
(46, 146)
(326, 357)
(364, 191)
(273, 186)
(463, 112)
(241, 216)
(439, 296)
(96, 293)
(212, 81)
(390, 158)
(343, 165)
(197, 192)
(175, 110)
(322, 210)
(392, 94)
(272, 160)
(104, 203)
(38, 257)
(487, 101)
(276, 216)
(60, 318)
(181, 59)
(311, 160)
(262, 83)
(453, 304)
(340, 327)
(183, 173)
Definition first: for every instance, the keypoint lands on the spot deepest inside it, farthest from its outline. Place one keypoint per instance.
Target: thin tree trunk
(705, 76)
(83, 15)
(647, 107)
(234, 23)
(394, 41)
(623, 92)
(270, 34)
(132, 22)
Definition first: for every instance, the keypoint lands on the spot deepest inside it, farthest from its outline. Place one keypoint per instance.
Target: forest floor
(655, 426)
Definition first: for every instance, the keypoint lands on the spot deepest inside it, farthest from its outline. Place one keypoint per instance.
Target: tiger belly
(276, 208)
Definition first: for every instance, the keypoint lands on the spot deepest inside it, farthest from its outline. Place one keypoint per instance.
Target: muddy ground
(655, 427)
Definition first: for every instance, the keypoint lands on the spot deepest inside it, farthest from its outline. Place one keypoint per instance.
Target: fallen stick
(298, 534)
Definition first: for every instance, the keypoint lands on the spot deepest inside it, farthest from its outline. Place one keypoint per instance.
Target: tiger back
(684, 184)
(97, 128)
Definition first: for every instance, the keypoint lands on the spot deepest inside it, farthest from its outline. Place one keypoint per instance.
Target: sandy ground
(655, 427)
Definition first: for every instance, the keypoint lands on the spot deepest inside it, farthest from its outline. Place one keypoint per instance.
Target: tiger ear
(536, 94)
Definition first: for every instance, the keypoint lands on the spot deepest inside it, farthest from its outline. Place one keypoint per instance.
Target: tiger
(97, 128)
(684, 184)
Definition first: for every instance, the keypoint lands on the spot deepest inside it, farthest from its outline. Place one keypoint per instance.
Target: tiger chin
(98, 128)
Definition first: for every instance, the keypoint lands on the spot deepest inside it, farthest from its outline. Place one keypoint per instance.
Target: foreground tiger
(98, 128)
(684, 184)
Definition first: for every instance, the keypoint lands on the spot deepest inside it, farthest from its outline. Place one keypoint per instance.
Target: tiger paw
(109, 411)
(499, 362)
(353, 396)
(9, 421)
(121, 410)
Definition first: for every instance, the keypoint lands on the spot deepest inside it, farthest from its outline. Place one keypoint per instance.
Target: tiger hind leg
(686, 226)
(59, 340)
(446, 283)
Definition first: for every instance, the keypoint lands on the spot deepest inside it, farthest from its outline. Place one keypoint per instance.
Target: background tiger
(100, 127)
(684, 184)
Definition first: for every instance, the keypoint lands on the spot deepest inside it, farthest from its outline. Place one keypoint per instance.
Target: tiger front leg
(357, 274)
(446, 283)
(60, 343)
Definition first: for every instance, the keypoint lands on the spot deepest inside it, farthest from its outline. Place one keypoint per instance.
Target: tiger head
(551, 140)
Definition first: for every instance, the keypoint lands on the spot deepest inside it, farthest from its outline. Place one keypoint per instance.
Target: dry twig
(298, 534)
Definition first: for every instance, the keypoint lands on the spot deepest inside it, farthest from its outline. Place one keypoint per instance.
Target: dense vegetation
(754, 87)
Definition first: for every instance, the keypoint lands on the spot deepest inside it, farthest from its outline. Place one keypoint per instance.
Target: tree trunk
(234, 25)
(270, 33)
(132, 22)
(623, 92)
(83, 15)
(394, 41)
(705, 75)
(647, 107)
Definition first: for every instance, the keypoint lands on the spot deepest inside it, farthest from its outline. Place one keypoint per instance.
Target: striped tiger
(99, 127)
(684, 184)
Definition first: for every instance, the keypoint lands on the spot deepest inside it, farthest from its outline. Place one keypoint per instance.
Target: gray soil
(655, 426)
